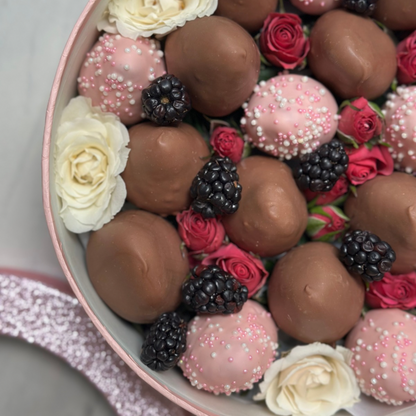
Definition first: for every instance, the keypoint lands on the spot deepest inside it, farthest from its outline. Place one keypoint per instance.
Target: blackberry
(215, 190)
(166, 101)
(360, 6)
(364, 253)
(165, 342)
(214, 291)
(320, 170)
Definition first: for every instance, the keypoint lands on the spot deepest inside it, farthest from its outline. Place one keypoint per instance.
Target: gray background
(33, 34)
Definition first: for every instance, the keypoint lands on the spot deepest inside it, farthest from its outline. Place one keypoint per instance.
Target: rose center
(88, 167)
(150, 7)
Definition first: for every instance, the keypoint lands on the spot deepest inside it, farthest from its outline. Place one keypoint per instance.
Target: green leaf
(376, 109)
(327, 238)
(269, 265)
(303, 240)
(264, 61)
(282, 6)
(382, 26)
(394, 85)
(369, 145)
(347, 139)
(314, 226)
(353, 189)
(348, 103)
(319, 210)
(340, 201)
(339, 212)
(267, 72)
(312, 203)
(247, 150)
(385, 144)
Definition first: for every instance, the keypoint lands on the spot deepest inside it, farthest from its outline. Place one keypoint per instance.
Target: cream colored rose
(134, 18)
(312, 380)
(90, 154)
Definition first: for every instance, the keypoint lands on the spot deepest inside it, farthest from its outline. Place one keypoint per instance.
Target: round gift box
(121, 336)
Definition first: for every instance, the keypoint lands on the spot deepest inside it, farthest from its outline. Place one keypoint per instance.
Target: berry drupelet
(165, 343)
(320, 170)
(166, 101)
(215, 190)
(364, 253)
(214, 291)
(360, 6)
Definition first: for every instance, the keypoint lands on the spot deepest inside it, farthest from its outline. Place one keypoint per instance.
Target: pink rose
(227, 143)
(394, 291)
(326, 223)
(325, 198)
(367, 164)
(282, 40)
(248, 270)
(362, 125)
(406, 60)
(200, 235)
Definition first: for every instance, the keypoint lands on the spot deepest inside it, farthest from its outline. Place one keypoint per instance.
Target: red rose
(326, 223)
(363, 125)
(200, 235)
(367, 164)
(394, 291)
(406, 60)
(324, 198)
(227, 143)
(248, 270)
(282, 40)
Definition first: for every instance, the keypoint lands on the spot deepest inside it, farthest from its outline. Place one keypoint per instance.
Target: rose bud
(244, 267)
(406, 60)
(282, 41)
(227, 143)
(200, 235)
(366, 164)
(362, 123)
(326, 223)
(394, 291)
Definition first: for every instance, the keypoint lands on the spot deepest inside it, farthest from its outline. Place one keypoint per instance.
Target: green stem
(282, 6)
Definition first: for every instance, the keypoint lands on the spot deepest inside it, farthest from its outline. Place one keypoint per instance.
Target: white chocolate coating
(384, 361)
(228, 353)
(115, 72)
(290, 115)
(400, 112)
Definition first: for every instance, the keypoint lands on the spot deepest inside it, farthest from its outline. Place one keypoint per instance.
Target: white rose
(312, 380)
(134, 18)
(90, 154)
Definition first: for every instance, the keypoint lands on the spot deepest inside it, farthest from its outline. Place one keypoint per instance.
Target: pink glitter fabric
(55, 321)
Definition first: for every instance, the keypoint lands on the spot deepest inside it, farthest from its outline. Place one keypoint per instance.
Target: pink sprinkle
(231, 359)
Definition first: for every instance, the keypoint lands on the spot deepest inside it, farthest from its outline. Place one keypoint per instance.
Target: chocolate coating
(247, 13)
(386, 206)
(272, 215)
(316, 7)
(312, 297)
(217, 60)
(351, 55)
(162, 164)
(396, 14)
(137, 266)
